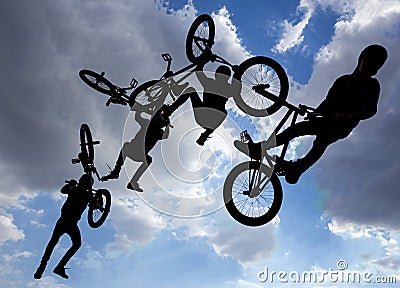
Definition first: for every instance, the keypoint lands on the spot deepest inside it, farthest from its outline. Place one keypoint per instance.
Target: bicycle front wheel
(252, 202)
(86, 144)
(96, 81)
(99, 207)
(200, 39)
(261, 70)
(149, 96)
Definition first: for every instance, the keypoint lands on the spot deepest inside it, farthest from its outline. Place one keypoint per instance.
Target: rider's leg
(188, 93)
(133, 184)
(73, 231)
(114, 174)
(256, 150)
(210, 119)
(204, 136)
(297, 168)
(55, 237)
(321, 142)
(299, 129)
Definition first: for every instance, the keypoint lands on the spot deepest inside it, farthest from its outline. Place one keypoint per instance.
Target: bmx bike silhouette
(252, 190)
(100, 202)
(254, 71)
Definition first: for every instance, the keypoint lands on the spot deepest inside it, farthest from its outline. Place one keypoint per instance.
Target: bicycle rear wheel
(200, 39)
(260, 208)
(261, 70)
(99, 207)
(86, 144)
(96, 81)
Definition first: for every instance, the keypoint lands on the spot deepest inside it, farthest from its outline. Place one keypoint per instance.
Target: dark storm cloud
(44, 45)
(361, 173)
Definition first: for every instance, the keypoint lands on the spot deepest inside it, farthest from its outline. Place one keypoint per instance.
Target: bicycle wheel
(200, 39)
(99, 207)
(256, 71)
(96, 81)
(86, 143)
(150, 95)
(263, 205)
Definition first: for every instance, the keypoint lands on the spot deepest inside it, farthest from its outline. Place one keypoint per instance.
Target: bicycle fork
(258, 183)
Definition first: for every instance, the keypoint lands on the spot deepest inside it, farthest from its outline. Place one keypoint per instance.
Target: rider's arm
(371, 106)
(201, 76)
(66, 189)
(140, 120)
(327, 106)
(369, 100)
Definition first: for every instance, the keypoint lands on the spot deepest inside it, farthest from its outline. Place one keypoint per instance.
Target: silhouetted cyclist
(351, 98)
(210, 112)
(79, 195)
(151, 131)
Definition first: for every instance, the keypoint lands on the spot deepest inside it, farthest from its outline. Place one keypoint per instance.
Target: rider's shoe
(251, 149)
(204, 137)
(293, 171)
(60, 271)
(134, 186)
(39, 271)
(113, 175)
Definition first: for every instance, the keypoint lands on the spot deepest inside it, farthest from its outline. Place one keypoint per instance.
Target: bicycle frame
(292, 110)
(170, 82)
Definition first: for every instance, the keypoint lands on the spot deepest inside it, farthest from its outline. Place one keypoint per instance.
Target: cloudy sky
(177, 233)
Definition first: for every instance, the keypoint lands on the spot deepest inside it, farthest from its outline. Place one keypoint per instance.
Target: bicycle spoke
(199, 44)
(259, 205)
(256, 75)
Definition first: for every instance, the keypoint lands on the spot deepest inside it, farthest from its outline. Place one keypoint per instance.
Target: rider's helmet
(222, 73)
(375, 56)
(86, 181)
(223, 69)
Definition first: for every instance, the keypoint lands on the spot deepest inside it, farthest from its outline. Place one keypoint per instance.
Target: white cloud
(8, 230)
(133, 223)
(293, 32)
(16, 255)
(390, 262)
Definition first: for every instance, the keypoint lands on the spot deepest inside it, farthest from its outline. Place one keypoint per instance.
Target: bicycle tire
(86, 144)
(260, 70)
(203, 27)
(149, 94)
(240, 206)
(96, 81)
(99, 207)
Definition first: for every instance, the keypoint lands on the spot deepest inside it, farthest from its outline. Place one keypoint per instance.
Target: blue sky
(344, 208)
